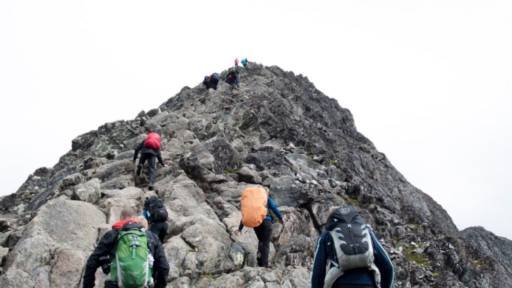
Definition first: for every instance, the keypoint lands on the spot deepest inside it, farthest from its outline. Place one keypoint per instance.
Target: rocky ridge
(277, 129)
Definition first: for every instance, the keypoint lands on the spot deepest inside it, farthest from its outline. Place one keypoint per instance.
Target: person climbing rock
(156, 214)
(130, 255)
(232, 78)
(150, 151)
(236, 62)
(348, 254)
(211, 81)
(259, 212)
(244, 62)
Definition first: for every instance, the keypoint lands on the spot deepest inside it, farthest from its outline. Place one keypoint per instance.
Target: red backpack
(152, 141)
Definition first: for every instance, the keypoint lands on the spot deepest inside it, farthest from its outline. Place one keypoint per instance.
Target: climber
(115, 254)
(156, 214)
(150, 150)
(244, 62)
(254, 203)
(211, 81)
(236, 62)
(357, 261)
(232, 78)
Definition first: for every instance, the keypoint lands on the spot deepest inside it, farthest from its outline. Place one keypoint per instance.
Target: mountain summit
(276, 129)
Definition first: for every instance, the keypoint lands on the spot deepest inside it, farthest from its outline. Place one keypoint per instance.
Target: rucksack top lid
(344, 215)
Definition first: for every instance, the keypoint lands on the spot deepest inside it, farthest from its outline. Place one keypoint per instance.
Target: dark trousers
(352, 286)
(159, 229)
(264, 234)
(151, 172)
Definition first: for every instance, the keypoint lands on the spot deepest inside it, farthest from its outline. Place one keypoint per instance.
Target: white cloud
(427, 82)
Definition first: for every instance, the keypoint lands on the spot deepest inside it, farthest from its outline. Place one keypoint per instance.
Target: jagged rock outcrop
(277, 129)
(494, 254)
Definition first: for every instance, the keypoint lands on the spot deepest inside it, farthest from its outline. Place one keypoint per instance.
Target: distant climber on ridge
(233, 78)
(255, 204)
(156, 214)
(130, 255)
(244, 62)
(150, 151)
(211, 81)
(348, 254)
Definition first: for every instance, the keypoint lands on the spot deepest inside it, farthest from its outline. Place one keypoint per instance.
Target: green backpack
(133, 263)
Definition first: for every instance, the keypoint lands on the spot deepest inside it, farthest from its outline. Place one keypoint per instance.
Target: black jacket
(140, 148)
(106, 248)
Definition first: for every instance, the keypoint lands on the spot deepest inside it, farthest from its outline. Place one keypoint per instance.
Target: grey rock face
(276, 129)
(490, 253)
(54, 246)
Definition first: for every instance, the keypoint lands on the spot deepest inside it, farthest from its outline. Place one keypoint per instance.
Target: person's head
(128, 212)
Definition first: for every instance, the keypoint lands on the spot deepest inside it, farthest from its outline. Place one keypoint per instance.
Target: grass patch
(419, 258)
(230, 170)
(478, 264)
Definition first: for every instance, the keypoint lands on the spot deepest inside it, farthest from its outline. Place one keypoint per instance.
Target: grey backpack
(352, 243)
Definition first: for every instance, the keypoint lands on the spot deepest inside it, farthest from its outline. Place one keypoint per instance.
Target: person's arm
(320, 263)
(383, 262)
(137, 150)
(103, 248)
(273, 208)
(159, 156)
(146, 214)
(160, 266)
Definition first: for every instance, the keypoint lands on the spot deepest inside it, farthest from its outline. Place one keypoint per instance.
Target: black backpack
(156, 208)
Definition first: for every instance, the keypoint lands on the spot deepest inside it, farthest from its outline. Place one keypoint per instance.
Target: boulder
(63, 231)
(89, 191)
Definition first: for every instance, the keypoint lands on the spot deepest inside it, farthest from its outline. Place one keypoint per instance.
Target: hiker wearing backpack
(244, 62)
(150, 151)
(211, 81)
(130, 255)
(259, 212)
(156, 214)
(232, 78)
(348, 254)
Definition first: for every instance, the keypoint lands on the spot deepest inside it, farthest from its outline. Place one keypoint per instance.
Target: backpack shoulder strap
(333, 269)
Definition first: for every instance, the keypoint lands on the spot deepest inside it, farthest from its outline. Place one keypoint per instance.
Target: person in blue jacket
(358, 277)
(264, 232)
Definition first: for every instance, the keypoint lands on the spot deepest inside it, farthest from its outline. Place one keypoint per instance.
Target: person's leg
(151, 169)
(351, 286)
(142, 160)
(264, 233)
(259, 234)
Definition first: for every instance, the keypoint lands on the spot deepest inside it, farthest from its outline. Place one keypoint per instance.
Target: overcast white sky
(429, 82)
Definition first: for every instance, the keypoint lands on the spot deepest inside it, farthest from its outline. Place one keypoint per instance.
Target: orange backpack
(254, 206)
